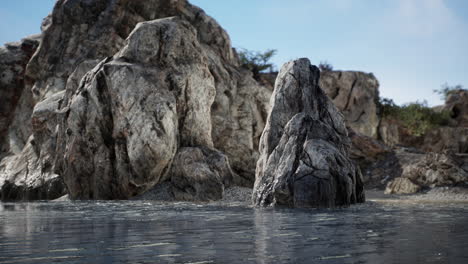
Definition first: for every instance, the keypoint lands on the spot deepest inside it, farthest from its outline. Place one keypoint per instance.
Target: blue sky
(412, 46)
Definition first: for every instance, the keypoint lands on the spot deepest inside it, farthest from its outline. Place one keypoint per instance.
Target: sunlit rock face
(304, 160)
(356, 95)
(181, 86)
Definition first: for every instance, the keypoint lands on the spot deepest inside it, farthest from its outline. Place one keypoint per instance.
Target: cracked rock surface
(113, 93)
(355, 94)
(304, 149)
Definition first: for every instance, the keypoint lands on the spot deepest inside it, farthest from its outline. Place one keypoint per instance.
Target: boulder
(355, 94)
(22, 177)
(427, 170)
(200, 174)
(402, 186)
(436, 169)
(29, 174)
(78, 34)
(87, 30)
(304, 149)
(124, 124)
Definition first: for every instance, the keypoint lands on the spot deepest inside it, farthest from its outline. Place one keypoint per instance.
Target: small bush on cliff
(256, 61)
(324, 66)
(417, 117)
(445, 90)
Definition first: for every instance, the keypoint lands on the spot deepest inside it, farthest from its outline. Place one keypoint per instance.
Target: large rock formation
(112, 129)
(355, 94)
(23, 172)
(304, 160)
(13, 60)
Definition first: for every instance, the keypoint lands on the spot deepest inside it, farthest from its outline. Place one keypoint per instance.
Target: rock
(366, 149)
(13, 60)
(83, 30)
(371, 155)
(200, 174)
(22, 178)
(78, 34)
(402, 186)
(125, 122)
(304, 159)
(355, 94)
(426, 170)
(454, 139)
(436, 169)
(457, 104)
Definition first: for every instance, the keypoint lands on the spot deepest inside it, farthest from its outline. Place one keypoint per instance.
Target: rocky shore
(148, 100)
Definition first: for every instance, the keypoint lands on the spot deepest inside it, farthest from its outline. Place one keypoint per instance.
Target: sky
(411, 46)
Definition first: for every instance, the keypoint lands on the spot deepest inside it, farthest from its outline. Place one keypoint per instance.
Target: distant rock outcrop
(304, 160)
(457, 104)
(429, 171)
(356, 95)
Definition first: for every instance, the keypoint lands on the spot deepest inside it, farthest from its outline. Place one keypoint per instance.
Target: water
(145, 232)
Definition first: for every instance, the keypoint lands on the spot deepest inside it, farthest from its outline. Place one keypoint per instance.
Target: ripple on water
(145, 232)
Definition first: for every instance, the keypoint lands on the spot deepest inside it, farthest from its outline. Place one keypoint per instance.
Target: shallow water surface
(150, 232)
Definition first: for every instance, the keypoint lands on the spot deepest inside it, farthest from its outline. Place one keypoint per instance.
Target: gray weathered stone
(79, 33)
(124, 124)
(13, 60)
(356, 95)
(304, 160)
(200, 174)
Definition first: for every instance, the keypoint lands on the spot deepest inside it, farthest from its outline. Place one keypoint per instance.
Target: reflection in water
(142, 232)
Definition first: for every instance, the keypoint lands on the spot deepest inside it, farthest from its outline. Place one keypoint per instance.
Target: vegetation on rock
(445, 90)
(324, 66)
(256, 61)
(417, 117)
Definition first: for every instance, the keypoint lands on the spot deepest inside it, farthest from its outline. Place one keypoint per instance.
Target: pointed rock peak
(304, 159)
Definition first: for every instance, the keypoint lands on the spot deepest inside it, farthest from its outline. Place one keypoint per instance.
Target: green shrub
(256, 61)
(417, 118)
(445, 90)
(324, 66)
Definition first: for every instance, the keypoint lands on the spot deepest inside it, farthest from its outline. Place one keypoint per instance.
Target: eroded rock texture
(125, 122)
(24, 173)
(13, 60)
(163, 85)
(355, 94)
(200, 174)
(304, 160)
(428, 170)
